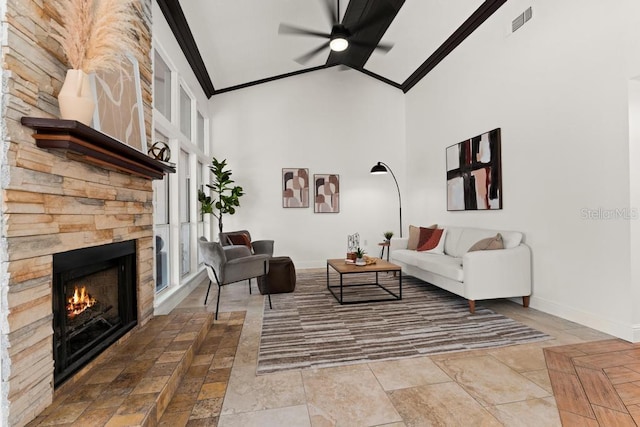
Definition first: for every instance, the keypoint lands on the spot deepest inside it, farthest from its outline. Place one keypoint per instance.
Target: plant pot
(76, 98)
(360, 261)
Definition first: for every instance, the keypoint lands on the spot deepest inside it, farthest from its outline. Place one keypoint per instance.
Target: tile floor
(595, 382)
(505, 386)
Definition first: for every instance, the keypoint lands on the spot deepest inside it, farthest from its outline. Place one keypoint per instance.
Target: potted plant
(388, 235)
(94, 35)
(228, 196)
(360, 256)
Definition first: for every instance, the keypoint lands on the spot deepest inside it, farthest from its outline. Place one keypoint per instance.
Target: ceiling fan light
(338, 44)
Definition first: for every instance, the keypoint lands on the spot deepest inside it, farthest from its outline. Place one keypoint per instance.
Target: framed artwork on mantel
(119, 110)
(474, 173)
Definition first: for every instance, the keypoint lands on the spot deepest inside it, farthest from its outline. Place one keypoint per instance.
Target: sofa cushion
(432, 240)
(414, 236)
(460, 239)
(441, 264)
(406, 256)
(490, 243)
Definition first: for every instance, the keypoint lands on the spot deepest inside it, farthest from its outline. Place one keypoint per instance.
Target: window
(185, 113)
(161, 86)
(182, 121)
(200, 130)
(161, 220)
(201, 186)
(184, 196)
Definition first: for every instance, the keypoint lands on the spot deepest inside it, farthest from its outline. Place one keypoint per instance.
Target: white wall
(558, 88)
(329, 121)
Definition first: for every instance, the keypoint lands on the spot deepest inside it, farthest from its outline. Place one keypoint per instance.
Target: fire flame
(79, 302)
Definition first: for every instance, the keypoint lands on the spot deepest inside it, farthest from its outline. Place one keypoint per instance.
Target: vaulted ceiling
(232, 44)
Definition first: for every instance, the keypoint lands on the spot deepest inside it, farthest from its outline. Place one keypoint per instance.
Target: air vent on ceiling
(521, 19)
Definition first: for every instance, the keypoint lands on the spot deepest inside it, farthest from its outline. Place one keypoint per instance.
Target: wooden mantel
(95, 147)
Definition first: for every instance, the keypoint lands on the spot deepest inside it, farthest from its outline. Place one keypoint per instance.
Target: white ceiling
(239, 41)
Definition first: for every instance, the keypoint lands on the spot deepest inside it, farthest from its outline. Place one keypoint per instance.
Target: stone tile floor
(198, 399)
(512, 386)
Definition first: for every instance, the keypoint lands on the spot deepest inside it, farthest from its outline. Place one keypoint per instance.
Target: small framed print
(327, 193)
(295, 188)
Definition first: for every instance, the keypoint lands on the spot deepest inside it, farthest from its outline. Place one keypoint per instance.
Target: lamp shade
(382, 168)
(378, 169)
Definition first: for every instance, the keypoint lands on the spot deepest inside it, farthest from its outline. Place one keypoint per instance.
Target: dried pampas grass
(96, 34)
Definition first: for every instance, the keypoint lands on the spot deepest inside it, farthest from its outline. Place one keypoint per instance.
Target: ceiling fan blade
(377, 15)
(302, 60)
(290, 29)
(332, 11)
(383, 47)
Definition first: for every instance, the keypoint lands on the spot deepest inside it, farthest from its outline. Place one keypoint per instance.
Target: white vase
(76, 98)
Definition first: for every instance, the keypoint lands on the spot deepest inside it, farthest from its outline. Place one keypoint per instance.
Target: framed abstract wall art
(327, 193)
(119, 104)
(295, 188)
(474, 173)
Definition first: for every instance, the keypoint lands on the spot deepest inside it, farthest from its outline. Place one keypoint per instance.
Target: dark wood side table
(384, 245)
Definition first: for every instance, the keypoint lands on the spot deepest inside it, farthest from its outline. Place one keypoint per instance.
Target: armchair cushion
(264, 247)
(232, 263)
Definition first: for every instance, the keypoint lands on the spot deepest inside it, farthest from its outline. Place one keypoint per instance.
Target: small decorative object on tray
(360, 256)
(370, 260)
(353, 241)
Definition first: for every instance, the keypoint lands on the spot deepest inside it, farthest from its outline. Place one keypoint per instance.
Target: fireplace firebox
(94, 303)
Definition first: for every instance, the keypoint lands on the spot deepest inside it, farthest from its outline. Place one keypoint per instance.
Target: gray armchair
(231, 264)
(243, 237)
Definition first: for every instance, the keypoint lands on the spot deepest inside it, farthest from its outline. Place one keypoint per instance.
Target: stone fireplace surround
(51, 203)
(64, 205)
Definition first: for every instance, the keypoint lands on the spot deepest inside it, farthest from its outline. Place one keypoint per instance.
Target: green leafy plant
(388, 235)
(227, 195)
(360, 252)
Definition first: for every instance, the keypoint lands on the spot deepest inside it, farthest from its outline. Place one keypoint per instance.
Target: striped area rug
(309, 328)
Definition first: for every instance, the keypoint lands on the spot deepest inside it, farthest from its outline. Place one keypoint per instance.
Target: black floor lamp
(382, 168)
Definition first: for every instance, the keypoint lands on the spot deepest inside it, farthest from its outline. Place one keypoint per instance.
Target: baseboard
(311, 264)
(627, 332)
(167, 301)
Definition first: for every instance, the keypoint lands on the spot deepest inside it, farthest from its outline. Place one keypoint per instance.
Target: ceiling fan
(340, 37)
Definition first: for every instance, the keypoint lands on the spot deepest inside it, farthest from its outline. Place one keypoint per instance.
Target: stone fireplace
(56, 200)
(80, 256)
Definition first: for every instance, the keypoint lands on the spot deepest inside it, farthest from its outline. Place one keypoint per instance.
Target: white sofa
(477, 275)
